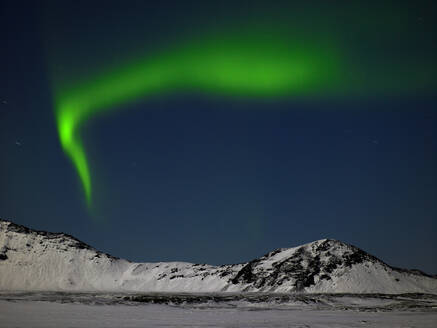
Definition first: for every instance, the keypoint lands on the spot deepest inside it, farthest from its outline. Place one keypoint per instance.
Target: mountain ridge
(40, 260)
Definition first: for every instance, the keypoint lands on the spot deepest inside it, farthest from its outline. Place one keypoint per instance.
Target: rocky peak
(301, 266)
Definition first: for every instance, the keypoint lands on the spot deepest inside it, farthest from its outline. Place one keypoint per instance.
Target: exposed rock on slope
(39, 260)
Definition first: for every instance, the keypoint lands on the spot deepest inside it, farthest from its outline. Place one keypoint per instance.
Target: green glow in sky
(237, 66)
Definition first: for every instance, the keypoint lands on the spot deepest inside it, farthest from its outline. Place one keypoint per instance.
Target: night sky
(223, 174)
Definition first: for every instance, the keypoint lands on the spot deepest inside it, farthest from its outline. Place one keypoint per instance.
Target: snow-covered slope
(37, 260)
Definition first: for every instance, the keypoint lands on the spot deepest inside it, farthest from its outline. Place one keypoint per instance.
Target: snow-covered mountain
(33, 260)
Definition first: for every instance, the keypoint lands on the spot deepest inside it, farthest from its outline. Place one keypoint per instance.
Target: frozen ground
(215, 310)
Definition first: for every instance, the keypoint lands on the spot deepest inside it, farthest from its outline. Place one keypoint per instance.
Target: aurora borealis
(214, 131)
(246, 66)
(250, 65)
(274, 59)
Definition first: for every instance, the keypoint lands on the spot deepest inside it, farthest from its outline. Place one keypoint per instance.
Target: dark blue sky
(210, 179)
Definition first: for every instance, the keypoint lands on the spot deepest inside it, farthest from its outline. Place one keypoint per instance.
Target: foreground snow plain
(206, 310)
(47, 314)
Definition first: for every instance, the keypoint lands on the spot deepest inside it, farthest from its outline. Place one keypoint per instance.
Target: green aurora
(241, 66)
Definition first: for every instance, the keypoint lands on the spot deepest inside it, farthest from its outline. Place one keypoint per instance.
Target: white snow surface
(48, 315)
(33, 260)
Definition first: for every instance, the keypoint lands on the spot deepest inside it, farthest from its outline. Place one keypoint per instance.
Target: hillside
(34, 260)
